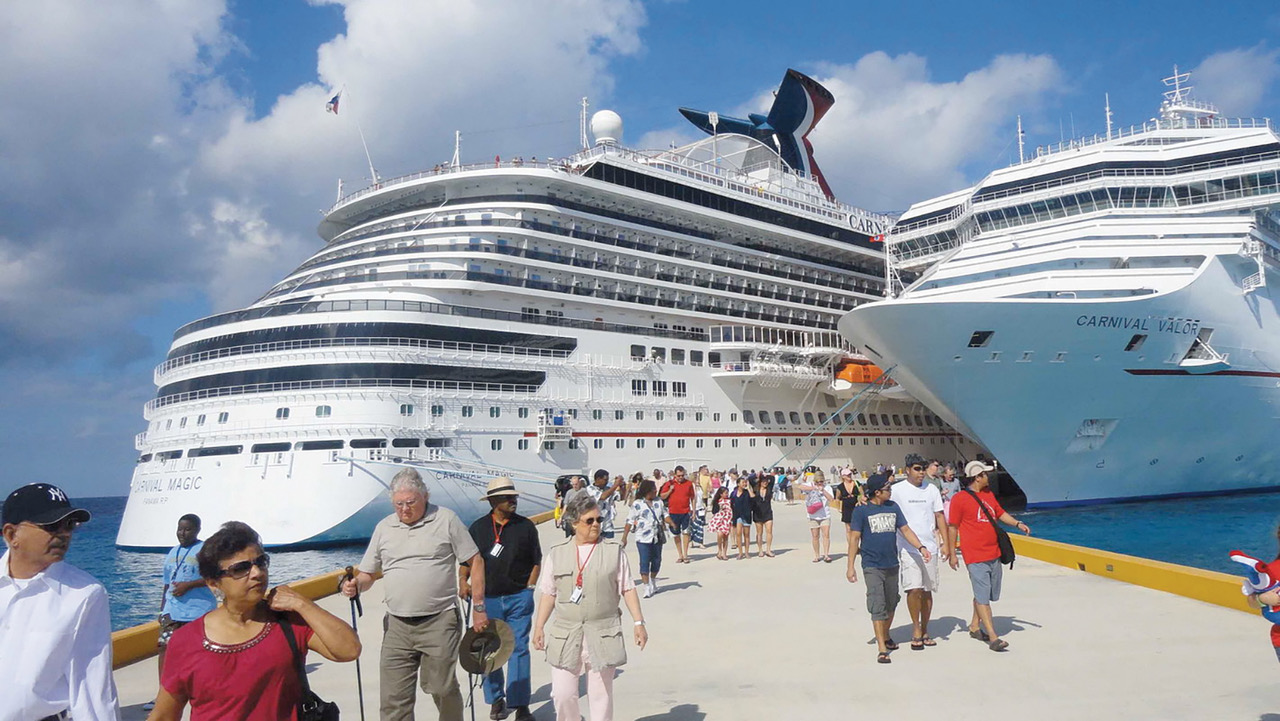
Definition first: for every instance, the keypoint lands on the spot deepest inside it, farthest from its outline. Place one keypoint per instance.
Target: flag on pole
(332, 105)
(877, 238)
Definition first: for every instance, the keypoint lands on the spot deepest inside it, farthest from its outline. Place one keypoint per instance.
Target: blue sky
(167, 160)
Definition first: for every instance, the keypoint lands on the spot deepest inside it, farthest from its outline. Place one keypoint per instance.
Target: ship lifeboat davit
(852, 374)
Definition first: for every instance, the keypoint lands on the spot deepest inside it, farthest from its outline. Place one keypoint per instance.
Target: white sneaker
(648, 590)
(653, 585)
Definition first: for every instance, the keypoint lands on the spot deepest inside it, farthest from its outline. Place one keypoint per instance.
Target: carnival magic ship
(616, 309)
(1100, 316)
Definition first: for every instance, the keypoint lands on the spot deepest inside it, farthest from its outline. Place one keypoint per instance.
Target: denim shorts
(682, 522)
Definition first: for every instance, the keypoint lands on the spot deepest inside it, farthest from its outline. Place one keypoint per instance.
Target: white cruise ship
(616, 309)
(1100, 316)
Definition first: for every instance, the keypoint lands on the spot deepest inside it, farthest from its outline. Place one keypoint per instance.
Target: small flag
(877, 238)
(332, 105)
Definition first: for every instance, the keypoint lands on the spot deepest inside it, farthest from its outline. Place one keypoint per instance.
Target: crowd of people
(233, 646)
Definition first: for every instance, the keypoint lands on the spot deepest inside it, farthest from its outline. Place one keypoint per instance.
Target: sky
(164, 160)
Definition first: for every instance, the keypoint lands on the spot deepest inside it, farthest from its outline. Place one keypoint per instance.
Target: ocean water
(1195, 532)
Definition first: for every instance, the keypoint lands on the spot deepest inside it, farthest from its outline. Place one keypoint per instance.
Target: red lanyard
(497, 535)
(583, 565)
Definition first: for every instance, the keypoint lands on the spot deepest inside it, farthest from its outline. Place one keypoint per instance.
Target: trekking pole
(471, 683)
(357, 609)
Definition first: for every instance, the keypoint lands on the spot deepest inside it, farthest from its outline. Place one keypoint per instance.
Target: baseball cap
(41, 503)
(876, 482)
(973, 469)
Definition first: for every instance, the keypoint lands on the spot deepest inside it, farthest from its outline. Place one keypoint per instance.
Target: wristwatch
(478, 607)
(640, 622)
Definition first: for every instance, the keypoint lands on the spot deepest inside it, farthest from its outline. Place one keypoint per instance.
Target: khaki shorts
(915, 572)
(815, 523)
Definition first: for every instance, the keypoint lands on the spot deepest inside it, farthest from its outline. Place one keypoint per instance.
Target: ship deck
(785, 638)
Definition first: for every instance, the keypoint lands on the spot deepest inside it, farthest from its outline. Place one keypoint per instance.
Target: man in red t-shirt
(978, 543)
(678, 495)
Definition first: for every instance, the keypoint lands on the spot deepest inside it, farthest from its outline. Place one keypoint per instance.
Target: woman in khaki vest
(584, 580)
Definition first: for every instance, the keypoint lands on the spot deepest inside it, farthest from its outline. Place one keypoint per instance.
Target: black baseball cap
(41, 503)
(876, 482)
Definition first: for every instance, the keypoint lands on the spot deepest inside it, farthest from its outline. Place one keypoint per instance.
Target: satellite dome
(606, 126)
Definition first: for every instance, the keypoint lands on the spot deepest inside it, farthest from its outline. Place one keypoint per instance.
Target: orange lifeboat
(858, 371)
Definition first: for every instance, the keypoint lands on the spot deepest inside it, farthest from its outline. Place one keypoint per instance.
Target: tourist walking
(740, 502)
(921, 504)
(509, 544)
(973, 514)
(238, 660)
(721, 522)
(649, 521)
(417, 550)
(817, 496)
(185, 597)
(877, 525)
(577, 487)
(677, 493)
(606, 497)
(55, 625)
(762, 514)
(584, 581)
(849, 493)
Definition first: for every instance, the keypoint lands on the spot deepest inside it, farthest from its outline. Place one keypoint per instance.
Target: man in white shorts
(921, 503)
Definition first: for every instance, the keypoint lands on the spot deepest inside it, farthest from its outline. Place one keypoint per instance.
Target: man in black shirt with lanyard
(508, 542)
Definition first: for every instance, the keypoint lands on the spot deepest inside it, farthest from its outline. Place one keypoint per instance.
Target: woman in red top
(234, 662)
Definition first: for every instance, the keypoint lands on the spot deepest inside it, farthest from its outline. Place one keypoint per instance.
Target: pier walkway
(785, 638)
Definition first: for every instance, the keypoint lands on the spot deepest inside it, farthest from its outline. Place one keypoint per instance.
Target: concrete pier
(785, 638)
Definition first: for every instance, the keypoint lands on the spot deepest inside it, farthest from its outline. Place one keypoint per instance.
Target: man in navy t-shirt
(874, 530)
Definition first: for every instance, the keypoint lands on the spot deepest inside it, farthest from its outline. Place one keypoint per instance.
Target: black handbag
(310, 706)
(1007, 554)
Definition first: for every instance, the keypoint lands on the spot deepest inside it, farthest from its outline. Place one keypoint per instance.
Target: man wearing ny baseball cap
(55, 622)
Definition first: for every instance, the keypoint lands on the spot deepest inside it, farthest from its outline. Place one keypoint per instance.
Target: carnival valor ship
(1100, 315)
(616, 309)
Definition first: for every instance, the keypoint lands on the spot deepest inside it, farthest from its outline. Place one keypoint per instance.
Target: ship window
(406, 442)
(877, 441)
(495, 412)
(573, 413)
(733, 442)
(573, 444)
(884, 419)
(659, 354)
(749, 416)
(324, 411)
(522, 444)
(713, 359)
(437, 442)
(782, 442)
(639, 387)
(659, 388)
(874, 420)
(551, 446)
(222, 417)
(677, 356)
(862, 419)
(659, 415)
(597, 443)
(639, 443)
(168, 424)
(523, 413)
(168, 455)
(697, 443)
(698, 416)
(717, 443)
(896, 420)
(200, 420)
(619, 415)
(768, 442)
(906, 419)
(715, 417)
(839, 441)
(822, 418)
(662, 442)
(679, 443)
(695, 357)
(144, 458)
(182, 423)
(1136, 342)
(980, 338)
(437, 410)
(808, 418)
(938, 421)
(679, 389)
(320, 446)
(795, 418)
(733, 417)
(680, 415)
(918, 421)
(467, 411)
(282, 414)
(597, 414)
(637, 352)
(639, 415)
(848, 419)
(406, 409)
(619, 443)
(764, 417)
(368, 442)
(495, 444)
(214, 451)
(751, 442)
(928, 420)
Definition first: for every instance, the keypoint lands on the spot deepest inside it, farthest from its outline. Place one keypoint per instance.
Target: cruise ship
(616, 309)
(1099, 315)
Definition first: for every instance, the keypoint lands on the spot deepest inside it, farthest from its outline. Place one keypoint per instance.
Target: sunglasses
(65, 525)
(241, 569)
(590, 521)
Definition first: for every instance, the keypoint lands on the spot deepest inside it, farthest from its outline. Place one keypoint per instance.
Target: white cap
(973, 469)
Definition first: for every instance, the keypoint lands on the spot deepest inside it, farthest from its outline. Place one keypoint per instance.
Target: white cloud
(1238, 80)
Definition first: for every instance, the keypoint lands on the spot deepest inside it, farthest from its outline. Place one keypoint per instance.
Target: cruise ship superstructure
(616, 309)
(1100, 316)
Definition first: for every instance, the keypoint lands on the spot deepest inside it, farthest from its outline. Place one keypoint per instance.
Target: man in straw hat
(508, 542)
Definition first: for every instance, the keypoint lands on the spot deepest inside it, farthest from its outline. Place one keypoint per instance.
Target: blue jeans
(650, 558)
(516, 611)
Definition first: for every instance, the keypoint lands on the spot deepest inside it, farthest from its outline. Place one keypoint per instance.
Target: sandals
(998, 645)
(817, 559)
(883, 658)
(826, 559)
(979, 634)
(769, 554)
(928, 641)
(917, 644)
(891, 644)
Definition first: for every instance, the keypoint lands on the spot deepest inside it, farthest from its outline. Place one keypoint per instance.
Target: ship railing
(778, 338)
(391, 342)
(449, 169)
(1147, 127)
(343, 383)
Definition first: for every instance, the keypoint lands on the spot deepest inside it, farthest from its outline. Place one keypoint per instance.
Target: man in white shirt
(921, 503)
(607, 498)
(55, 622)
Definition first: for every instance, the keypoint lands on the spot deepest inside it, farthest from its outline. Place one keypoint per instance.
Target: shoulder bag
(1007, 555)
(310, 706)
(659, 529)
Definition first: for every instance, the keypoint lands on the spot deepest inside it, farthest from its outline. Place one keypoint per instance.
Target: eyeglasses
(66, 525)
(405, 504)
(590, 521)
(241, 569)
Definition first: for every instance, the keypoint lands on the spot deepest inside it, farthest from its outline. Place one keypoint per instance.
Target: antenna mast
(582, 125)
(457, 148)
(1022, 137)
(1108, 97)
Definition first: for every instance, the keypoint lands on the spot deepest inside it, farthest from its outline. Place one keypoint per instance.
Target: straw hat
(500, 486)
(483, 651)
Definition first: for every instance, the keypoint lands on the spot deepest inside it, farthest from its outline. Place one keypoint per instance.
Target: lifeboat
(852, 371)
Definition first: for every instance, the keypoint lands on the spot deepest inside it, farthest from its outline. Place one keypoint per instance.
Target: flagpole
(333, 108)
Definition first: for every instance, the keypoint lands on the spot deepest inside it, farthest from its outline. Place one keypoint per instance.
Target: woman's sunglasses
(590, 521)
(241, 569)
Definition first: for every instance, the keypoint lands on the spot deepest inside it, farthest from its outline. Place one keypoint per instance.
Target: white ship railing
(1147, 127)
(488, 389)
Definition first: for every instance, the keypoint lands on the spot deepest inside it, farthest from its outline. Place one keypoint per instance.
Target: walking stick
(357, 609)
